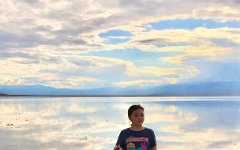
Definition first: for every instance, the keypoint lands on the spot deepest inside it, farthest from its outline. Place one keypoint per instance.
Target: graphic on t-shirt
(131, 146)
(137, 143)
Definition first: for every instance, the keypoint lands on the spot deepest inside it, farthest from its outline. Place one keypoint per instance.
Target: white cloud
(203, 139)
(56, 124)
(82, 72)
(62, 22)
(73, 108)
(172, 115)
(38, 37)
(78, 122)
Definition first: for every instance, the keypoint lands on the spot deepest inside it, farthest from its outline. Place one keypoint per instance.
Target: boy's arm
(154, 148)
(117, 147)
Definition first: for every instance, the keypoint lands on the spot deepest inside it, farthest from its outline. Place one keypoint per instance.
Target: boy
(136, 137)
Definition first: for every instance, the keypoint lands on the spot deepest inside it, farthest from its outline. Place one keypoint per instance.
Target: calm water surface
(93, 123)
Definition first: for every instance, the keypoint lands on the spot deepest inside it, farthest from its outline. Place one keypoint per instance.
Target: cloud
(169, 114)
(152, 76)
(55, 124)
(39, 37)
(80, 71)
(55, 23)
(204, 139)
(139, 83)
(60, 124)
(200, 41)
(45, 69)
(208, 131)
(215, 71)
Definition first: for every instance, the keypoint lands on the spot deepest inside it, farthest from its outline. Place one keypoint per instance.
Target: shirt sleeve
(120, 139)
(153, 142)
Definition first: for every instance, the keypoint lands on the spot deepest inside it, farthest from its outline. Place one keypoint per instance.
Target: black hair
(134, 107)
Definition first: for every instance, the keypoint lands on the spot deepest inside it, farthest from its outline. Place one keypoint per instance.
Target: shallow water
(93, 123)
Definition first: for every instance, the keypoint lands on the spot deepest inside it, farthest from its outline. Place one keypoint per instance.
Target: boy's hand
(117, 147)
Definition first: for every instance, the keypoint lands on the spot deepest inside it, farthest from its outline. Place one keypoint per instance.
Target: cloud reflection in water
(94, 123)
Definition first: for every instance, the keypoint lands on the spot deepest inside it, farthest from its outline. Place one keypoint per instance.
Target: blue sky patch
(115, 33)
(138, 57)
(190, 24)
(115, 40)
(116, 36)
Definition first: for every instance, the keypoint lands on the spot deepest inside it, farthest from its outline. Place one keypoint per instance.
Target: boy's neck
(136, 128)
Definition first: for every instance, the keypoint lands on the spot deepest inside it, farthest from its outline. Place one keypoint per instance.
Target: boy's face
(137, 117)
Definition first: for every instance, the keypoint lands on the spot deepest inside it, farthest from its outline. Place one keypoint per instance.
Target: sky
(98, 43)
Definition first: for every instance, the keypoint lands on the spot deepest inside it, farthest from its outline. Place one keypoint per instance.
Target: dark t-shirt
(136, 140)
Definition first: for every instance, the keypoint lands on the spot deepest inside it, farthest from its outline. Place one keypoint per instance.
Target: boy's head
(136, 115)
(132, 108)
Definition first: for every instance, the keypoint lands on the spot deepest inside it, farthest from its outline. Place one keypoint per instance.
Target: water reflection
(94, 123)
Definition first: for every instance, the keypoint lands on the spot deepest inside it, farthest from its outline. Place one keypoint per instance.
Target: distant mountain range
(196, 89)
